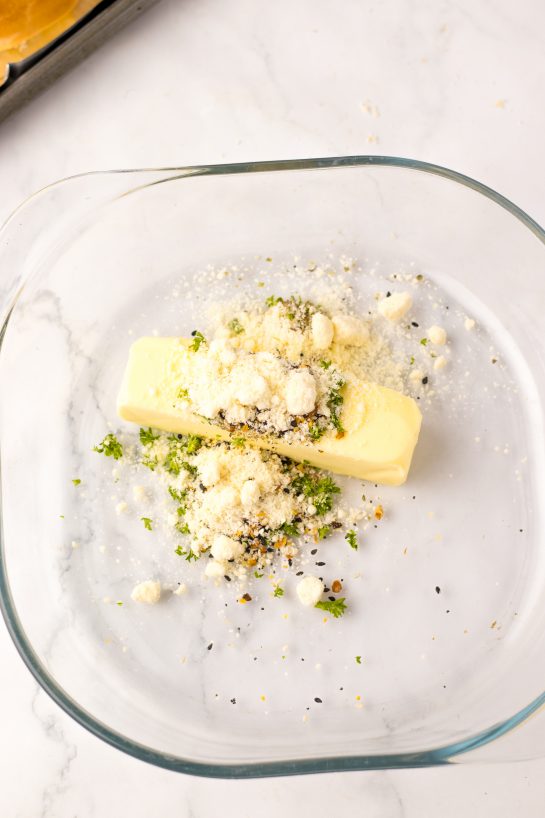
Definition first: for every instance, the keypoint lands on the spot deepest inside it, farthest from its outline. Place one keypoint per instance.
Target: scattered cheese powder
(469, 324)
(148, 592)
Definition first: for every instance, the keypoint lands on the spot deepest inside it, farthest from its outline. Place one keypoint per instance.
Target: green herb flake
(325, 364)
(194, 443)
(278, 591)
(76, 481)
(239, 442)
(235, 326)
(198, 339)
(272, 300)
(148, 436)
(110, 447)
(119, 603)
(147, 523)
(335, 607)
(334, 404)
(183, 394)
(424, 341)
(351, 539)
(319, 490)
(290, 529)
(191, 555)
(315, 431)
(257, 575)
(412, 360)
(178, 496)
(358, 660)
(324, 531)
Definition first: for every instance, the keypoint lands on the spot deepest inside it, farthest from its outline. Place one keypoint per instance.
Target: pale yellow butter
(381, 425)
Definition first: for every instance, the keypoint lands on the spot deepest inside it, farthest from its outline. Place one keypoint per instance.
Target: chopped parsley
(424, 341)
(147, 436)
(198, 339)
(325, 364)
(110, 446)
(319, 490)
(76, 481)
(257, 575)
(272, 300)
(358, 660)
(334, 404)
(179, 496)
(147, 523)
(278, 591)
(315, 431)
(351, 539)
(335, 607)
(183, 394)
(235, 326)
(239, 442)
(324, 531)
(189, 555)
(290, 529)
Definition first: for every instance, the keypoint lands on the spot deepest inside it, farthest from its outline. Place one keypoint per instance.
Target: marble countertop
(459, 84)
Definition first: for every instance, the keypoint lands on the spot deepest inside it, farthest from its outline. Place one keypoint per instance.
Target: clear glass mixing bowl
(90, 260)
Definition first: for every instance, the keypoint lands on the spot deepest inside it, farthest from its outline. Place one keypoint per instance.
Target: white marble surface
(455, 83)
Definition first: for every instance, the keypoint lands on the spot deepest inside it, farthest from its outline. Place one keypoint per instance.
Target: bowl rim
(432, 757)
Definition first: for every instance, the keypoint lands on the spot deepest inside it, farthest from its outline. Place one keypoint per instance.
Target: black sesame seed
(388, 294)
(437, 589)
(425, 379)
(331, 598)
(414, 324)
(299, 573)
(314, 551)
(209, 647)
(320, 564)
(226, 578)
(317, 700)
(233, 701)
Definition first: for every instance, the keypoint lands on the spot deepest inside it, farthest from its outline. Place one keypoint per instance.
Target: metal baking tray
(29, 76)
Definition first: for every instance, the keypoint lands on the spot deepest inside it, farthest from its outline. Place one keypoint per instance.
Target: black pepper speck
(210, 646)
(317, 700)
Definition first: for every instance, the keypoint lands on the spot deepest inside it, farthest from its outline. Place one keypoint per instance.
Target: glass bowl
(448, 612)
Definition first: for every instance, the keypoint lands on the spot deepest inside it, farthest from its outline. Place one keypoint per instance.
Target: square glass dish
(447, 613)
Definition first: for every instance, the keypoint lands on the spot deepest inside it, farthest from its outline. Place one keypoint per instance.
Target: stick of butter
(381, 425)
